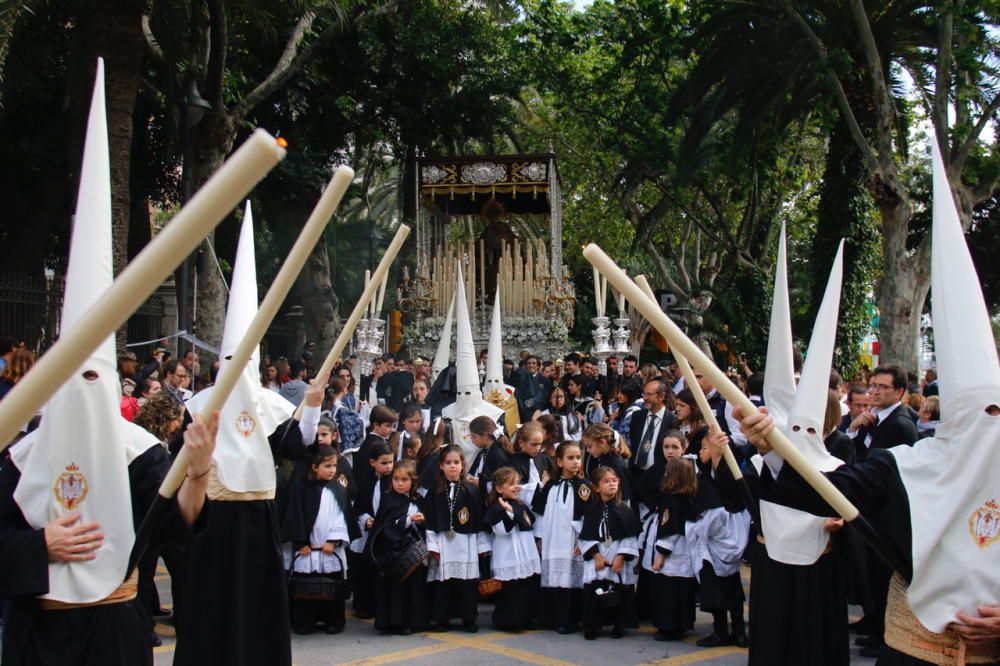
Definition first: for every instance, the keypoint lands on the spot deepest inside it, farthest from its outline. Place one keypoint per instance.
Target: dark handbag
(609, 594)
(312, 587)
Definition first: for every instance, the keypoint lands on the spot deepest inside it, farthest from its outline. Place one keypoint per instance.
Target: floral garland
(516, 331)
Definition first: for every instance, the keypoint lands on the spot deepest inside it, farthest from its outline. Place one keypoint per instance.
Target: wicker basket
(310, 587)
(489, 587)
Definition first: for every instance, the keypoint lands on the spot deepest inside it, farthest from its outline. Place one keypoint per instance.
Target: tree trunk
(902, 290)
(214, 138)
(845, 211)
(114, 32)
(319, 302)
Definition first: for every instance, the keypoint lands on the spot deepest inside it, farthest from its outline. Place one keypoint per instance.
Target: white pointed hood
(805, 422)
(494, 357)
(792, 536)
(77, 460)
(469, 401)
(443, 354)
(966, 354)
(955, 545)
(243, 298)
(243, 459)
(779, 379)
(467, 380)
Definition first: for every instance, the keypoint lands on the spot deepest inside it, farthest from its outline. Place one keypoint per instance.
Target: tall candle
(223, 191)
(381, 295)
(276, 293)
(482, 270)
(597, 292)
(681, 343)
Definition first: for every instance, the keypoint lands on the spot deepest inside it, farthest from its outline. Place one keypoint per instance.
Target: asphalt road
(360, 644)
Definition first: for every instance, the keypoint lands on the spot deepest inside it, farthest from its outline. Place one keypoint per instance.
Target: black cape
(303, 506)
(114, 634)
(583, 494)
(466, 516)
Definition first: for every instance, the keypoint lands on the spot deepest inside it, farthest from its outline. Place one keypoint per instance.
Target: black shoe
(712, 640)
(590, 635)
(867, 641)
(617, 633)
(872, 651)
(663, 637)
(862, 626)
(439, 627)
(331, 629)
(404, 631)
(303, 631)
(471, 627)
(155, 641)
(741, 640)
(565, 630)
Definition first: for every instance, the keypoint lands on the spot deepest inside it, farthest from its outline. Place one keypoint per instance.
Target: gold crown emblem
(72, 467)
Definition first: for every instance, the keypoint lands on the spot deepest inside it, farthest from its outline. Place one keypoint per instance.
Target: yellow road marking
(695, 657)
(403, 655)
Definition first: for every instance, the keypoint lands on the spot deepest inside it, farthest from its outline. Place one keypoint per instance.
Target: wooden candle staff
(282, 284)
(223, 191)
(692, 383)
(369, 293)
(679, 342)
(230, 374)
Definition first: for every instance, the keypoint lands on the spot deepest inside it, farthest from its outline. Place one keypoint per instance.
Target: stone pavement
(361, 645)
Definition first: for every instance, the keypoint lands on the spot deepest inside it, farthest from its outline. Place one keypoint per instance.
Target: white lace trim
(562, 572)
(438, 571)
(516, 571)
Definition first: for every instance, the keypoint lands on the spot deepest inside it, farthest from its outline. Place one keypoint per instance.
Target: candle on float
(597, 291)
(679, 342)
(216, 199)
(368, 279)
(482, 270)
(381, 295)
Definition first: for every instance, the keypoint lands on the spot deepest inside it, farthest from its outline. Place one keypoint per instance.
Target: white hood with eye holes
(469, 401)
(77, 460)
(243, 459)
(792, 536)
(952, 480)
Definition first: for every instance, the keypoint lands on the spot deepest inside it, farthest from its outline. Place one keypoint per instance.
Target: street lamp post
(193, 108)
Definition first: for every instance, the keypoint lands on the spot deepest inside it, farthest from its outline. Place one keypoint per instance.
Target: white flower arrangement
(517, 331)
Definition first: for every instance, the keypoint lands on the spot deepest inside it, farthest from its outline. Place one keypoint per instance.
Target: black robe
(798, 614)
(303, 506)
(235, 592)
(628, 487)
(493, 457)
(99, 635)
(612, 520)
(876, 489)
(673, 612)
(397, 605)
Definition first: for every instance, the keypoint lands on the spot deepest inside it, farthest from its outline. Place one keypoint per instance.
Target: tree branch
(880, 91)
(942, 84)
(153, 49)
(867, 152)
(218, 41)
(292, 60)
(962, 154)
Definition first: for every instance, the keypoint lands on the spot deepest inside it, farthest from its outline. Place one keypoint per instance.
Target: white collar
(883, 414)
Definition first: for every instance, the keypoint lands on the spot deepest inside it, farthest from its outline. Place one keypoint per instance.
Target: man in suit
(531, 387)
(885, 425)
(858, 402)
(888, 423)
(647, 428)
